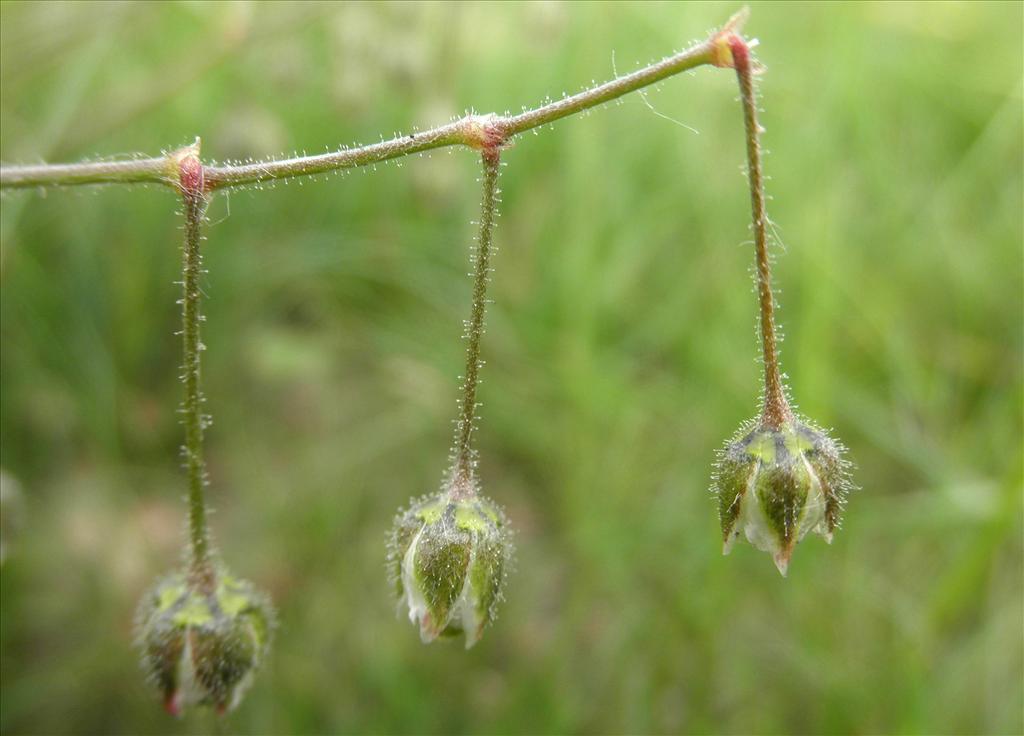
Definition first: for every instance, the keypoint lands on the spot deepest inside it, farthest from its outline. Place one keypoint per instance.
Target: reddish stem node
(740, 53)
(487, 134)
(191, 176)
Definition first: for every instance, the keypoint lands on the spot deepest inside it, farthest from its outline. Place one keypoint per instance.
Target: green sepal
(776, 484)
(448, 557)
(202, 647)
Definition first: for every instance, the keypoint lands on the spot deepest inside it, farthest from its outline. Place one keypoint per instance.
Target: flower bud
(449, 557)
(201, 644)
(776, 485)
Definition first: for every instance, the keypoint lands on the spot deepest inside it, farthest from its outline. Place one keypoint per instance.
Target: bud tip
(172, 703)
(782, 561)
(727, 544)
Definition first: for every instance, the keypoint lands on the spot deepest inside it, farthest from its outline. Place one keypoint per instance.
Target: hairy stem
(463, 471)
(94, 172)
(194, 199)
(776, 407)
(476, 131)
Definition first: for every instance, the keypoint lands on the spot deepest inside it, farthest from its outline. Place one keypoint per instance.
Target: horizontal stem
(153, 170)
(446, 135)
(475, 131)
(699, 55)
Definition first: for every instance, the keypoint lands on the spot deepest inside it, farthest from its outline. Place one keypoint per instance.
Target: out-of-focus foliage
(620, 354)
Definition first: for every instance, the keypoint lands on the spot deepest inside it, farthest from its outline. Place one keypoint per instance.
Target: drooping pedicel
(449, 558)
(780, 477)
(449, 553)
(202, 632)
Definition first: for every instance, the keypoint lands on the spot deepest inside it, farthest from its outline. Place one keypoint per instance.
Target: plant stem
(153, 170)
(463, 472)
(194, 199)
(776, 407)
(475, 131)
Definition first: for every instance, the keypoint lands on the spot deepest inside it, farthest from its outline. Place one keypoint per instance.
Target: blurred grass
(620, 354)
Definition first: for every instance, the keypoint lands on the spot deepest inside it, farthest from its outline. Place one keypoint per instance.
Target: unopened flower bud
(449, 557)
(776, 485)
(202, 644)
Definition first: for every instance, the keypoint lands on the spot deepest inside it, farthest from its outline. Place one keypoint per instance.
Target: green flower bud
(448, 558)
(776, 485)
(202, 644)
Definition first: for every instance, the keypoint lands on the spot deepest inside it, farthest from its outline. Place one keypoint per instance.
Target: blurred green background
(620, 354)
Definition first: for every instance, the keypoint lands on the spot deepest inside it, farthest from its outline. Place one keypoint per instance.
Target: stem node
(487, 134)
(189, 171)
